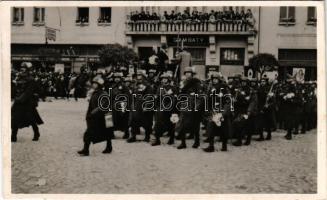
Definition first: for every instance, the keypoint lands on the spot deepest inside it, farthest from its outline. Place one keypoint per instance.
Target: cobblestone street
(52, 165)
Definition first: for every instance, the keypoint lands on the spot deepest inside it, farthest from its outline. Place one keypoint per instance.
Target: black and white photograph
(176, 98)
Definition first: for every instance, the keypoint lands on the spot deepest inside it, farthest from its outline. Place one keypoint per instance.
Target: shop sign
(188, 40)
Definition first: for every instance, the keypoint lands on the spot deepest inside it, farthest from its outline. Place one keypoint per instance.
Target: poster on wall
(299, 74)
(60, 68)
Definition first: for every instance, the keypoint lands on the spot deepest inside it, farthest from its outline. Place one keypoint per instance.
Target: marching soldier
(120, 113)
(293, 102)
(140, 116)
(266, 108)
(97, 130)
(190, 117)
(164, 116)
(244, 124)
(23, 111)
(219, 122)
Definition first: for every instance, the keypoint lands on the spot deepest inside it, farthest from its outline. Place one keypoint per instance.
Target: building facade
(285, 32)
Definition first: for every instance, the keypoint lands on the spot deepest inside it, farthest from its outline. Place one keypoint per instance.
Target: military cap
(98, 80)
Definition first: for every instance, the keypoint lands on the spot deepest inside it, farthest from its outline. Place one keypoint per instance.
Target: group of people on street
(246, 107)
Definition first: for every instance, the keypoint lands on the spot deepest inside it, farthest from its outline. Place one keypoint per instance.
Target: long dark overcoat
(23, 111)
(95, 119)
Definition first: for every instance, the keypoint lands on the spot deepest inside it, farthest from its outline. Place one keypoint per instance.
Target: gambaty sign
(188, 40)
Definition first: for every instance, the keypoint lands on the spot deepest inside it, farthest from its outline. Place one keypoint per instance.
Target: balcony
(219, 27)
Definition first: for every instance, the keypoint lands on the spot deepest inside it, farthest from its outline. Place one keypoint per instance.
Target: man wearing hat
(293, 105)
(166, 107)
(266, 107)
(139, 116)
(23, 111)
(190, 118)
(97, 130)
(219, 116)
(244, 124)
(120, 113)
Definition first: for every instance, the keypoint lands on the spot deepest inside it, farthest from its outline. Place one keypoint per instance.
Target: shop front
(48, 57)
(298, 62)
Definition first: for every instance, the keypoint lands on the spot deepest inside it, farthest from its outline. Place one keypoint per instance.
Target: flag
(50, 34)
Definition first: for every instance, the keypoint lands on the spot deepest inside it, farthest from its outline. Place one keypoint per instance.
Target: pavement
(52, 165)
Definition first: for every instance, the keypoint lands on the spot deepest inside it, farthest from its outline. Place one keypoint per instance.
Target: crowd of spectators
(197, 16)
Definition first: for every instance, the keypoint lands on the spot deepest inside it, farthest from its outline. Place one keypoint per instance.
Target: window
(287, 15)
(18, 16)
(232, 56)
(105, 15)
(312, 15)
(39, 15)
(82, 15)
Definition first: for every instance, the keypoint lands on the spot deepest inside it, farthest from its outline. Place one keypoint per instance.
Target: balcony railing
(219, 26)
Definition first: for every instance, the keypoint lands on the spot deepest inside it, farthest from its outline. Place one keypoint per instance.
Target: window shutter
(42, 14)
(291, 12)
(22, 14)
(311, 13)
(282, 13)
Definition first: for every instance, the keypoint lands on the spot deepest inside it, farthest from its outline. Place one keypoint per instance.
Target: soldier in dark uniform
(165, 109)
(23, 111)
(219, 122)
(245, 124)
(140, 116)
(120, 113)
(266, 110)
(190, 118)
(293, 102)
(95, 119)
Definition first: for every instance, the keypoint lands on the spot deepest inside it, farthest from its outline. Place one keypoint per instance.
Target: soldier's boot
(131, 139)
(248, 139)
(296, 130)
(238, 142)
(85, 150)
(135, 131)
(108, 148)
(196, 140)
(268, 135)
(224, 147)
(147, 135)
(36, 132)
(261, 138)
(171, 141)
(182, 145)
(126, 134)
(210, 147)
(171, 134)
(14, 135)
(156, 142)
(288, 136)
